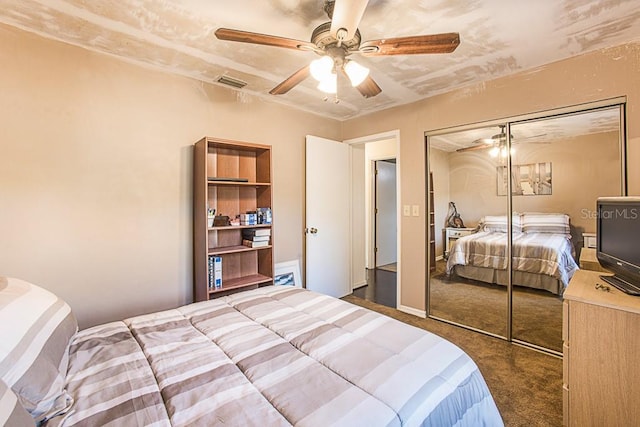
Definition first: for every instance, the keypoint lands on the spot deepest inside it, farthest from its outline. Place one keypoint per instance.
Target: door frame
(394, 134)
(373, 212)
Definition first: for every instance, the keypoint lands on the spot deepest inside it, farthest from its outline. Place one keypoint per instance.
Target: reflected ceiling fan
(335, 41)
(497, 144)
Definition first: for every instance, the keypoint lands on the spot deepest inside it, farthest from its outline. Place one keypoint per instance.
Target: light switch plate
(415, 209)
(406, 210)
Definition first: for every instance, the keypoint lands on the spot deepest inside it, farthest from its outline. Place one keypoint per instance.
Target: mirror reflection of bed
(559, 166)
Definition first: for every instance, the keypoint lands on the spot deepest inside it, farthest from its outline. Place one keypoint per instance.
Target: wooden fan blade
(347, 14)
(263, 39)
(473, 148)
(412, 45)
(369, 88)
(291, 81)
(487, 141)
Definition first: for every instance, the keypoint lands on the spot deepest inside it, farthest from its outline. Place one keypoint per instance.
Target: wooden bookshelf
(234, 178)
(432, 227)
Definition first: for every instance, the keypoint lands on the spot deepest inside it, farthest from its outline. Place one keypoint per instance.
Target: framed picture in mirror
(533, 179)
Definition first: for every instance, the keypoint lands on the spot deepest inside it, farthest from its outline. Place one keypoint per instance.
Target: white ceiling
(498, 37)
(542, 131)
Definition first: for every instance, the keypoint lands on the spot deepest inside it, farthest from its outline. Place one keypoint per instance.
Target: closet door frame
(619, 102)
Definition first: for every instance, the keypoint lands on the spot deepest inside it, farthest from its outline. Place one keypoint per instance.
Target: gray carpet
(537, 314)
(526, 384)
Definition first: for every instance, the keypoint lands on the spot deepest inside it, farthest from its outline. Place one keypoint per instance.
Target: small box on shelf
(264, 215)
(249, 218)
(221, 221)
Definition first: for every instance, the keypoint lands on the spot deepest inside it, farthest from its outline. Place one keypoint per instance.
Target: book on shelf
(257, 238)
(252, 232)
(215, 271)
(254, 244)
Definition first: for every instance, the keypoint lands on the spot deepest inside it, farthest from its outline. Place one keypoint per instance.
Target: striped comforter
(275, 356)
(540, 253)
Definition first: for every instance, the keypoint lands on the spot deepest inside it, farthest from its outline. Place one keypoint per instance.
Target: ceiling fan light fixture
(321, 68)
(329, 84)
(356, 72)
(502, 151)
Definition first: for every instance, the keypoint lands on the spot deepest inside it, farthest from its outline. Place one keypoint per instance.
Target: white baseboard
(414, 311)
(358, 285)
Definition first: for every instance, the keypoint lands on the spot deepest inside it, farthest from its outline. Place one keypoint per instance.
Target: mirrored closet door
(515, 214)
(464, 185)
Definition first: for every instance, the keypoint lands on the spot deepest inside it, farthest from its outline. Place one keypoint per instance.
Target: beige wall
(593, 77)
(95, 164)
(583, 168)
(95, 173)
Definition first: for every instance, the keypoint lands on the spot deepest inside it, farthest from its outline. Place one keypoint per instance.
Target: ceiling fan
(338, 39)
(497, 144)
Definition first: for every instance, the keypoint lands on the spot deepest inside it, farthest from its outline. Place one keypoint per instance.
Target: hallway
(380, 288)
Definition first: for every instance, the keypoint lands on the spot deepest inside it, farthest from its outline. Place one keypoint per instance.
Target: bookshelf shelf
(250, 188)
(238, 184)
(234, 249)
(242, 283)
(239, 227)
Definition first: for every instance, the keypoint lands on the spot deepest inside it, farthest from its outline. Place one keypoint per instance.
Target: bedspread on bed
(274, 356)
(540, 253)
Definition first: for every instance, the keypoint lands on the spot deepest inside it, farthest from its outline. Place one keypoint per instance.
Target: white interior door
(327, 217)
(386, 219)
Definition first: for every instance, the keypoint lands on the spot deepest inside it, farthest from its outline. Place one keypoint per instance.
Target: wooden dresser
(601, 362)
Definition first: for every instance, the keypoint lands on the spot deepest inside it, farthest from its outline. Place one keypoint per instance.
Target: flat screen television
(618, 241)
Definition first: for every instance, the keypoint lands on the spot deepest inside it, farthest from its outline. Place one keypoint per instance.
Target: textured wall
(95, 173)
(592, 77)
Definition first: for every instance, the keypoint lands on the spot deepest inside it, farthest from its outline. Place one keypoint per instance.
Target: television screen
(620, 231)
(618, 222)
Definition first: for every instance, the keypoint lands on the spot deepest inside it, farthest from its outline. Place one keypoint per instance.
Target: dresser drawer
(457, 233)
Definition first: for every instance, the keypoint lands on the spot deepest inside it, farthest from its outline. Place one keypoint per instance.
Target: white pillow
(533, 222)
(498, 223)
(12, 414)
(36, 329)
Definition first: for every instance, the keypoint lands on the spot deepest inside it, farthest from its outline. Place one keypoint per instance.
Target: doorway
(375, 219)
(385, 218)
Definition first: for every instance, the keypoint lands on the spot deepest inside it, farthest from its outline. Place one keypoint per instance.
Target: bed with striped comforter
(550, 254)
(274, 356)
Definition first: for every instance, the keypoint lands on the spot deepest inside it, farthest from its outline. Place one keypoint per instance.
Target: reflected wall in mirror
(466, 177)
(585, 152)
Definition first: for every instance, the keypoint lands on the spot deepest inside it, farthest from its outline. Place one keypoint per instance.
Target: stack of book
(256, 237)
(215, 272)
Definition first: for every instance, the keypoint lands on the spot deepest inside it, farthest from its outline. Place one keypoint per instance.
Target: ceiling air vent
(230, 81)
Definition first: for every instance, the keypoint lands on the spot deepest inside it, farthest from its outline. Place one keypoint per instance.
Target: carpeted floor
(537, 314)
(526, 384)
